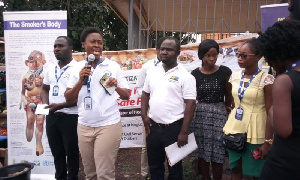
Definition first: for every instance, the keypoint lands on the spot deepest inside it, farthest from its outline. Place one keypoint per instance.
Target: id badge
(239, 113)
(55, 90)
(88, 103)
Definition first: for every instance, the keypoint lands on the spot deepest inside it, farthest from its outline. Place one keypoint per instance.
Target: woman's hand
(112, 82)
(264, 150)
(85, 72)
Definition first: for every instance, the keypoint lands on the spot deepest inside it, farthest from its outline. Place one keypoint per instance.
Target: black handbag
(235, 142)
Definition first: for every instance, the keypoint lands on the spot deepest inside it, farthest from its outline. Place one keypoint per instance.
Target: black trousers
(61, 131)
(160, 137)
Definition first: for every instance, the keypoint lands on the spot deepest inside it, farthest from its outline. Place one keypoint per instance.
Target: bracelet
(270, 141)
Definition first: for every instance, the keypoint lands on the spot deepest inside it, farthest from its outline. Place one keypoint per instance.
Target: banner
(29, 39)
(270, 14)
(131, 61)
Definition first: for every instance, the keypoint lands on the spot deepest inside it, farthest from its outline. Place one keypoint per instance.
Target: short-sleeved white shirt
(168, 90)
(143, 73)
(56, 76)
(105, 110)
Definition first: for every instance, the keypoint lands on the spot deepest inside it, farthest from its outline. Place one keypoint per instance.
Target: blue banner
(35, 24)
(270, 14)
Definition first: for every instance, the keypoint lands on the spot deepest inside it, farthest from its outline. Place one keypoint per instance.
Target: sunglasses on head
(243, 56)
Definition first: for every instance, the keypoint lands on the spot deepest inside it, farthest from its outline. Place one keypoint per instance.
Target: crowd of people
(211, 101)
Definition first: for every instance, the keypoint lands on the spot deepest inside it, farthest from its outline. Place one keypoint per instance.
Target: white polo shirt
(56, 76)
(168, 91)
(105, 110)
(143, 73)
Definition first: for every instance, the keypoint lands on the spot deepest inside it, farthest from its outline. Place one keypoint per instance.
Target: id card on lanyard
(55, 87)
(240, 111)
(88, 98)
(88, 105)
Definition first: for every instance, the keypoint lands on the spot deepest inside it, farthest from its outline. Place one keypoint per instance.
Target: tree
(184, 38)
(81, 14)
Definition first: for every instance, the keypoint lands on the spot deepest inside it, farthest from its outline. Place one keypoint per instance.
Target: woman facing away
(211, 114)
(280, 45)
(251, 90)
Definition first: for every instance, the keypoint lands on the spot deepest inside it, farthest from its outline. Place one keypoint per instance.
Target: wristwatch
(270, 141)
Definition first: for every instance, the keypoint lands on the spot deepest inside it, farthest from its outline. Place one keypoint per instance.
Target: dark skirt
(207, 125)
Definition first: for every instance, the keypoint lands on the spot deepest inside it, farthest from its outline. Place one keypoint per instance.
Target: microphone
(91, 59)
(32, 106)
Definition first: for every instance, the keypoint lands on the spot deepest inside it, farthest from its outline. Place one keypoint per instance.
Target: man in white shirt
(140, 83)
(170, 95)
(61, 123)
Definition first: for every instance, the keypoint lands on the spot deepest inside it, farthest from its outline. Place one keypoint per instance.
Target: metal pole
(197, 19)
(173, 17)
(140, 23)
(256, 15)
(181, 19)
(205, 21)
(230, 21)
(248, 14)
(222, 19)
(239, 22)
(156, 21)
(164, 31)
(215, 8)
(148, 19)
(130, 25)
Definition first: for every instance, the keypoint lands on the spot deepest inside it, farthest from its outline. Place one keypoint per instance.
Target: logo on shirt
(174, 79)
(67, 75)
(107, 73)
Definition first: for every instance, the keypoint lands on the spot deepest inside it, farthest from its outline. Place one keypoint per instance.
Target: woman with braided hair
(280, 45)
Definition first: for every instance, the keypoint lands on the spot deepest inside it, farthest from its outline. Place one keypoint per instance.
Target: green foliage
(189, 169)
(184, 38)
(2, 59)
(81, 14)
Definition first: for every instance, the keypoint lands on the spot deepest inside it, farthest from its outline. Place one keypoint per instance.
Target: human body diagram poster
(29, 39)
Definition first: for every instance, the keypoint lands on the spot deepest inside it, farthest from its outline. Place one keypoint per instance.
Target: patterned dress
(210, 114)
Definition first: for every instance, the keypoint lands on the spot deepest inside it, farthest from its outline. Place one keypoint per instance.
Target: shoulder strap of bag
(256, 96)
(258, 89)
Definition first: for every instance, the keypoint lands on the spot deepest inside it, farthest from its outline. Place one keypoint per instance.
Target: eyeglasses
(244, 56)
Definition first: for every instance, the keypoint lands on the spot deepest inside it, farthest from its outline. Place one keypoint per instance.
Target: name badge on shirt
(239, 113)
(88, 103)
(55, 90)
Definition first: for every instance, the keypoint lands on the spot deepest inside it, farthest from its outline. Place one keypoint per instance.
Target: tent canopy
(197, 16)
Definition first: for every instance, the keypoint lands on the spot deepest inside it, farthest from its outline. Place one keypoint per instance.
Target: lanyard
(156, 62)
(297, 63)
(241, 94)
(62, 72)
(88, 84)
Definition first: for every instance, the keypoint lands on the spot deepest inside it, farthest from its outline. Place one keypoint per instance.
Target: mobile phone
(255, 154)
(103, 81)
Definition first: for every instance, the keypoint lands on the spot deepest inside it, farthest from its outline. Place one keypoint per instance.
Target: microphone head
(91, 57)
(32, 105)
